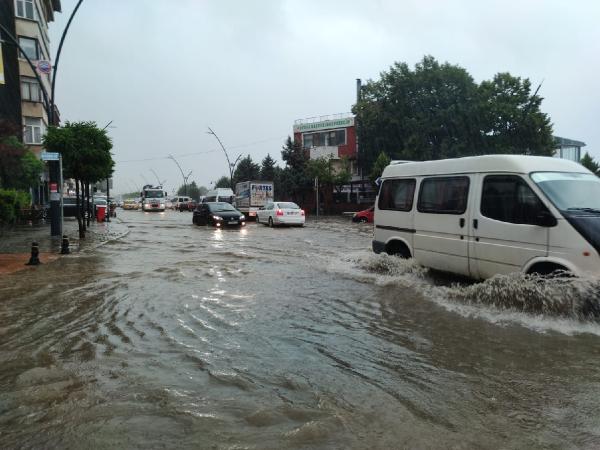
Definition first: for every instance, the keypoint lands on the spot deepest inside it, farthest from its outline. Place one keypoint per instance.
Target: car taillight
(301, 212)
(279, 212)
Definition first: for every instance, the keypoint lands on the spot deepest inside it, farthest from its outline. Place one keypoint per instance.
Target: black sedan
(218, 214)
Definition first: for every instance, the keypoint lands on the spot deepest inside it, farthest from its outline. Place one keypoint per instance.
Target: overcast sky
(164, 70)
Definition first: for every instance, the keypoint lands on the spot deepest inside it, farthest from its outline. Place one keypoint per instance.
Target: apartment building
(31, 25)
(21, 94)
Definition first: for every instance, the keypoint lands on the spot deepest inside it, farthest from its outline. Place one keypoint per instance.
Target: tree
(267, 169)
(246, 170)
(293, 181)
(294, 155)
(19, 167)
(510, 118)
(437, 111)
(328, 177)
(85, 150)
(223, 182)
(382, 161)
(193, 190)
(589, 163)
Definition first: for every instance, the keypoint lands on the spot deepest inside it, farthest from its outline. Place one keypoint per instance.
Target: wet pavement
(177, 336)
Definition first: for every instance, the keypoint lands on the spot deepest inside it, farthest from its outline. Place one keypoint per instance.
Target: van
(219, 195)
(495, 214)
(180, 203)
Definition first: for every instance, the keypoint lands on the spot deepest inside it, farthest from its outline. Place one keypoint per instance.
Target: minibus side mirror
(545, 219)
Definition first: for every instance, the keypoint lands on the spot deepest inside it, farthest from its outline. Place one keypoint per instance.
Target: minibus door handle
(475, 223)
(461, 222)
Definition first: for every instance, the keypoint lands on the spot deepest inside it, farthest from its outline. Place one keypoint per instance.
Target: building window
(397, 195)
(569, 152)
(447, 195)
(26, 9)
(508, 198)
(30, 47)
(332, 138)
(30, 90)
(33, 130)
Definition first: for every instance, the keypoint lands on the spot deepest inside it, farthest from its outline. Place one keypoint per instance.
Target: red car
(365, 216)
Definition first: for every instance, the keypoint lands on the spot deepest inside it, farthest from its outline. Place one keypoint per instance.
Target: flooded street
(178, 336)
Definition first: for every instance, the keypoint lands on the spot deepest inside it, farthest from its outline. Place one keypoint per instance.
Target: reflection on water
(180, 336)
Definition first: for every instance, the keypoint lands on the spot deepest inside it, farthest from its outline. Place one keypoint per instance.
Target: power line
(184, 155)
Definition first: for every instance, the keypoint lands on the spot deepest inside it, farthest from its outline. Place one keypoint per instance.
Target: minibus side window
(397, 195)
(444, 195)
(508, 198)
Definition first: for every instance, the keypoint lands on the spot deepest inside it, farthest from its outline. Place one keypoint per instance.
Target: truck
(153, 198)
(250, 196)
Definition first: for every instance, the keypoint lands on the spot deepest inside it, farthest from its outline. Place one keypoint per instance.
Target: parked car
(365, 216)
(218, 214)
(280, 213)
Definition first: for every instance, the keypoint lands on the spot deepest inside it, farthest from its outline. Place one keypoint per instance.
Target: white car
(280, 213)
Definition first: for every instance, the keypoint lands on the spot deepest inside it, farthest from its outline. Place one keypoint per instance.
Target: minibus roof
(486, 163)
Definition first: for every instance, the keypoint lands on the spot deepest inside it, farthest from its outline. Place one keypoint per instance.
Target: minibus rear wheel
(398, 248)
(549, 270)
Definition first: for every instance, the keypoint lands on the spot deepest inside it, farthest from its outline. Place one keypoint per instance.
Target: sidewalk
(15, 244)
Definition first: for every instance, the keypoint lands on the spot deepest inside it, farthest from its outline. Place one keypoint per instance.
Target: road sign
(50, 156)
(44, 66)
(53, 187)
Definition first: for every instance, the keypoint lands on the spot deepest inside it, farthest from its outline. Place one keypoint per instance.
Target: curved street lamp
(229, 163)
(185, 177)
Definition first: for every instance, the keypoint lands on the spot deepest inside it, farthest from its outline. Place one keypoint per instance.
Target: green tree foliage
(293, 155)
(267, 169)
(382, 161)
(85, 150)
(589, 163)
(193, 190)
(293, 179)
(19, 167)
(12, 201)
(510, 118)
(246, 170)
(437, 111)
(223, 182)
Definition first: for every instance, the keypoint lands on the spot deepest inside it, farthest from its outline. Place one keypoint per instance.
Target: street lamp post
(229, 163)
(185, 177)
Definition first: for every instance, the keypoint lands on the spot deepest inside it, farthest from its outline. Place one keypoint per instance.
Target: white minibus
(219, 195)
(495, 214)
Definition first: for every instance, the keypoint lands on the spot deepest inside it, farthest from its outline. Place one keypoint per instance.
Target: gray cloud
(163, 71)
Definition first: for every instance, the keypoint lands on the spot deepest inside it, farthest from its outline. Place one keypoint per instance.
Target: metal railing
(323, 118)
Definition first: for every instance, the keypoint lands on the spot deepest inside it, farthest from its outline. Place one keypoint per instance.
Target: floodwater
(177, 336)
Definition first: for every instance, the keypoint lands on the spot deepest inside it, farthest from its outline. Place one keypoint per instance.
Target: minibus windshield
(570, 191)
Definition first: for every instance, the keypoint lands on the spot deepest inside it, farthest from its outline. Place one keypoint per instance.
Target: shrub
(11, 204)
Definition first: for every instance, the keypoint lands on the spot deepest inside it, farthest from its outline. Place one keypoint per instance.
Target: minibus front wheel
(398, 248)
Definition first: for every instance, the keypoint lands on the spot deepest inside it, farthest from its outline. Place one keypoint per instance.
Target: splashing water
(387, 265)
(558, 296)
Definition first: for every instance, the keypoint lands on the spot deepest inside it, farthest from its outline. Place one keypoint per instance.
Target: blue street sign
(50, 156)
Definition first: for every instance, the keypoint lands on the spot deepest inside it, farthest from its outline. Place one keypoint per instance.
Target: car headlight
(242, 217)
(217, 218)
